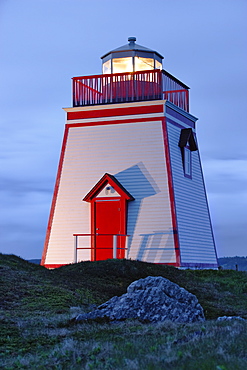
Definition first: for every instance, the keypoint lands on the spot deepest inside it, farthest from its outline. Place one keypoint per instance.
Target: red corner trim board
(171, 192)
(54, 199)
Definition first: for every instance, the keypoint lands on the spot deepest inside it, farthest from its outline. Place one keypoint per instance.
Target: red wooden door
(107, 221)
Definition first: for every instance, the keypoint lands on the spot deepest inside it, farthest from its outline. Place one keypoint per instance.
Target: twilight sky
(43, 43)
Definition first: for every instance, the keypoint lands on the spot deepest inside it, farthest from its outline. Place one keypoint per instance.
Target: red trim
(115, 112)
(118, 74)
(93, 239)
(107, 178)
(91, 197)
(188, 265)
(175, 264)
(54, 266)
(101, 123)
(48, 232)
(123, 222)
(171, 193)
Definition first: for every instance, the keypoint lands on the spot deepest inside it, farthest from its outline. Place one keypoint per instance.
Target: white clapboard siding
(194, 227)
(134, 154)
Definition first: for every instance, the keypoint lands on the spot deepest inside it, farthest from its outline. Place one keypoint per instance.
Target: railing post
(75, 249)
(114, 246)
(126, 246)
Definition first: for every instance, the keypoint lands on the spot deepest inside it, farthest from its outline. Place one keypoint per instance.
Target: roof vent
(132, 40)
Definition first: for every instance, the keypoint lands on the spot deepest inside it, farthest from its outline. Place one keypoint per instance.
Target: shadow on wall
(140, 184)
(156, 245)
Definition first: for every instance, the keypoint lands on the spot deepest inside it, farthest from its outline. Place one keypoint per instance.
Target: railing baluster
(114, 246)
(75, 248)
(126, 246)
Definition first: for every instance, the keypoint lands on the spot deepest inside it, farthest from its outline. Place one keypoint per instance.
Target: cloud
(226, 176)
(23, 220)
(230, 239)
(227, 193)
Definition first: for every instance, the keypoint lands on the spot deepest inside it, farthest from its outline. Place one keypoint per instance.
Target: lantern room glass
(158, 65)
(129, 64)
(121, 65)
(143, 64)
(107, 67)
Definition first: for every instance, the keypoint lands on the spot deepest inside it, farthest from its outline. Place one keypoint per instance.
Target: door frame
(91, 197)
(123, 220)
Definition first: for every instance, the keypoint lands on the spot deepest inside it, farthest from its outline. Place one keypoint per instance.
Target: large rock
(151, 299)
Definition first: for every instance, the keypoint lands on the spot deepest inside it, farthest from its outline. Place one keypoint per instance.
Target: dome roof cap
(132, 46)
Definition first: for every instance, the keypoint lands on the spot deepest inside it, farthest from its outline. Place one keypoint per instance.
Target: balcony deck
(130, 87)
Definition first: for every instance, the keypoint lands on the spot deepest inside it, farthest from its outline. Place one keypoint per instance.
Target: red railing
(128, 87)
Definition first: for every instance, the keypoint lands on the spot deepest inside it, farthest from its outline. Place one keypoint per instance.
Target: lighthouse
(129, 181)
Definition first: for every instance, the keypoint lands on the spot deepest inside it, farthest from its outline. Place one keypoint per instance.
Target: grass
(37, 305)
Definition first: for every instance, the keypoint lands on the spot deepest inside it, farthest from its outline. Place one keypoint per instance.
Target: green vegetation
(37, 305)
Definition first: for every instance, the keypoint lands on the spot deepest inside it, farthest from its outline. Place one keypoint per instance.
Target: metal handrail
(114, 244)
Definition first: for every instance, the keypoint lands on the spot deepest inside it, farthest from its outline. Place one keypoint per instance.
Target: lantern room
(131, 58)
